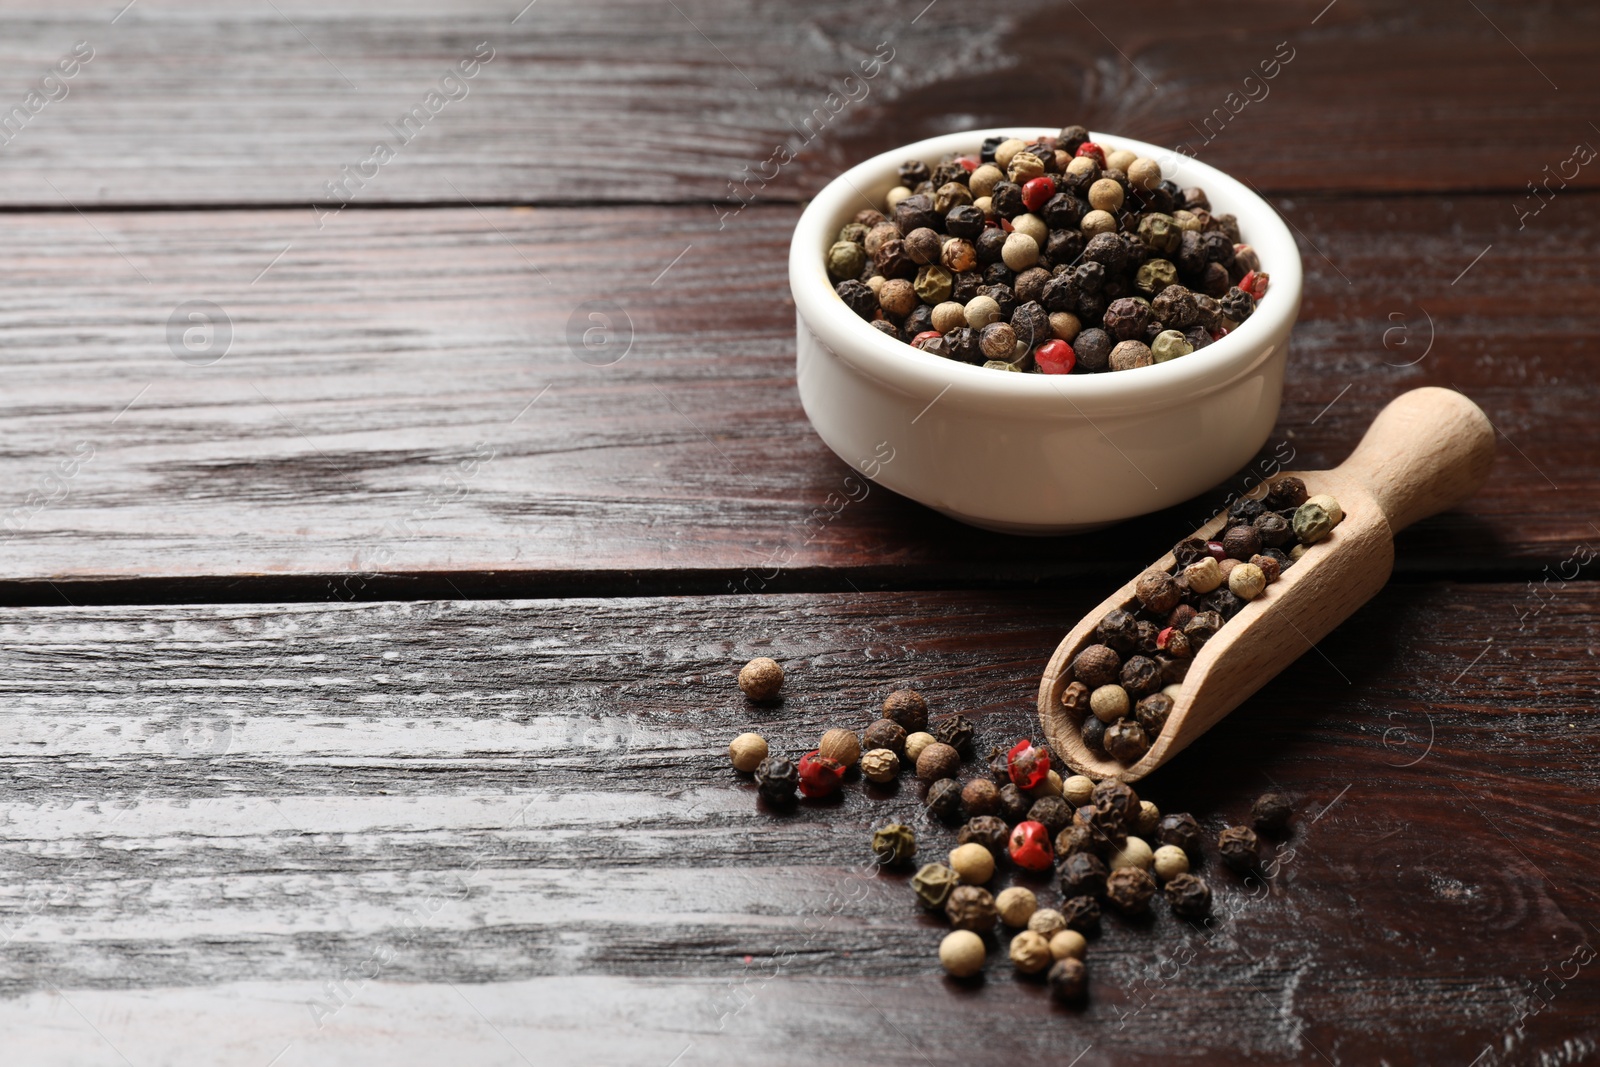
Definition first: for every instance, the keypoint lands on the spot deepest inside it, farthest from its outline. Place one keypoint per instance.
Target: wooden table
(368, 656)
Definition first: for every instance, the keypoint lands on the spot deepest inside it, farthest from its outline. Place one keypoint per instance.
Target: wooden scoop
(1429, 450)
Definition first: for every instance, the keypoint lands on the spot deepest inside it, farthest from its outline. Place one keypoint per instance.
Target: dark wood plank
(400, 412)
(197, 103)
(522, 812)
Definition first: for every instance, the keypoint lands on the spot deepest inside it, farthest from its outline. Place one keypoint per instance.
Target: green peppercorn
(1313, 522)
(1169, 345)
(846, 259)
(1000, 364)
(932, 884)
(894, 844)
(854, 232)
(1155, 275)
(933, 284)
(1160, 233)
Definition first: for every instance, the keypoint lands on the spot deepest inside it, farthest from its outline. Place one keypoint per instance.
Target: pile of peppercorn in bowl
(981, 254)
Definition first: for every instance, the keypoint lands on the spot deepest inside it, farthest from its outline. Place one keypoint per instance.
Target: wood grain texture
(191, 102)
(400, 399)
(510, 827)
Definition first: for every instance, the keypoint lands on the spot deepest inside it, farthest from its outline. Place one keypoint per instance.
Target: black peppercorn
(1140, 675)
(986, 152)
(1223, 602)
(1082, 874)
(1202, 628)
(980, 797)
(1149, 636)
(1053, 812)
(1272, 528)
(885, 733)
(1108, 250)
(1285, 493)
(918, 320)
(1097, 665)
(998, 274)
(964, 221)
(1237, 304)
(1175, 306)
(1094, 736)
(1188, 895)
(915, 212)
(1238, 846)
(1109, 827)
(987, 830)
(1003, 295)
(857, 297)
(1068, 978)
(963, 344)
(971, 908)
(1271, 812)
(1181, 830)
(1126, 319)
(1006, 200)
(944, 800)
(989, 243)
(1152, 712)
(1244, 510)
(949, 170)
(1126, 741)
(1115, 797)
(1241, 542)
(1076, 838)
(1174, 671)
(1031, 323)
(1013, 805)
(1118, 630)
(885, 326)
(912, 172)
(1029, 287)
(1129, 889)
(1081, 913)
(955, 731)
(1093, 347)
(777, 779)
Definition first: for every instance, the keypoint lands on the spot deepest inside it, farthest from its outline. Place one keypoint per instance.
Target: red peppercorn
(1253, 283)
(1028, 765)
(1055, 357)
(1218, 334)
(925, 336)
(1037, 191)
(1218, 553)
(1005, 224)
(968, 163)
(1030, 846)
(1163, 639)
(819, 775)
(1094, 151)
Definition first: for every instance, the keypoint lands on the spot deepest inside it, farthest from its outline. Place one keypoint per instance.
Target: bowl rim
(898, 364)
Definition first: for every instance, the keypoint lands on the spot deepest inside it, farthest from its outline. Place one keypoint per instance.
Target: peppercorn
(1093, 348)
(915, 744)
(1029, 846)
(894, 844)
(971, 907)
(1081, 913)
(885, 326)
(1148, 819)
(1016, 906)
(1286, 492)
(1157, 591)
(949, 196)
(1247, 581)
(880, 765)
(1139, 675)
(1094, 736)
(885, 733)
(1126, 741)
(1188, 895)
(1182, 831)
(1129, 889)
(761, 678)
(1082, 874)
(962, 953)
(1168, 862)
(1168, 345)
(1115, 796)
(1075, 839)
(1027, 764)
(932, 884)
(980, 797)
(944, 800)
(983, 180)
(1180, 617)
(1005, 200)
(955, 731)
(777, 779)
(841, 745)
(938, 760)
(1271, 812)
(1225, 602)
(1108, 827)
(1155, 275)
(1238, 846)
(1068, 944)
(998, 341)
(1013, 805)
(918, 322)
(1133, 853)
(1047, 922)
(986, 830)
(747, 751)
(820, 776)
(1054, 812)
(846, 259)
(897, 298)
(1030, 952)
(1118, 630)
(1270, 568)
(1203, 627)
(1130, 355)
(1152, 711)
(972, 862)
(933, 284)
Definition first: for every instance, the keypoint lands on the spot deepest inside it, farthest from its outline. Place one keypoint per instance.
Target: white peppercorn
(1006, 150)
(1169, 861)
(842, 745)
(962, 953)
(1030, 952)
(1030, 224)
(880, 765)
(1148, 819)
(1098, 222)
(1203, 575)
(1020, 251)
(747, 751)
(1143, 173)
(981, 311)
(1105, 195)
(1120, 159)
(1016, 905)
(1135, 852)
(948, 316)
(1109, 703)
(915, 743)
(1068, 944)
(1077, 790)
(1246, 581)
(1047, 921)
(973, 863)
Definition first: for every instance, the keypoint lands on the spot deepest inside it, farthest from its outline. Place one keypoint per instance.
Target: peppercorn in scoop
(1056, 256)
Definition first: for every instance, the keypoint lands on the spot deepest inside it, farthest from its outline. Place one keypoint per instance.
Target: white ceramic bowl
(1038, 453)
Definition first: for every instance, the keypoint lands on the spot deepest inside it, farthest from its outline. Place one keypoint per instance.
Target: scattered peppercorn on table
(377, 581)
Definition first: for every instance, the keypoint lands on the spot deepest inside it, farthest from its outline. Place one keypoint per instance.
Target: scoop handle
(1429, 450)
